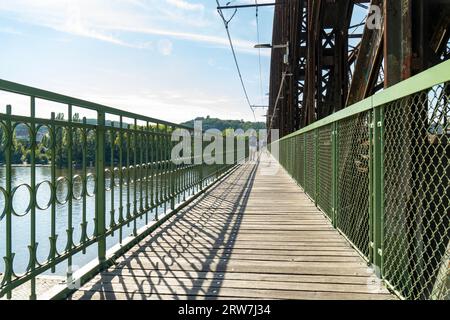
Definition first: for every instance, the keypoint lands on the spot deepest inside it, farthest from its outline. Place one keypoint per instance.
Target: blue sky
(168, 59)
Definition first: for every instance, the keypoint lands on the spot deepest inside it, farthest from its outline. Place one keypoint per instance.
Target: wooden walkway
(250, 236)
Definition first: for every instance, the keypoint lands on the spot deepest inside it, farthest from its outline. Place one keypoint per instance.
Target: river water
(21, 227)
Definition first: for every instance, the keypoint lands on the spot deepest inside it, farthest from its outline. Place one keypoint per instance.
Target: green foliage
(21, 150)
(223, 125)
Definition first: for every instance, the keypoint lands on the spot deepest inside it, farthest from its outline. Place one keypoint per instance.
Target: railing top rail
(422, 81)
(12, 87)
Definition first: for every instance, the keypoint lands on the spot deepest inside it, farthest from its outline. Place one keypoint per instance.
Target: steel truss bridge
(353, 202)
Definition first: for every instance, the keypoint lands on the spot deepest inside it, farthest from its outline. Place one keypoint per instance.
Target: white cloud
(112, 21)
(180, 4)
(8, 30)
(165, 47)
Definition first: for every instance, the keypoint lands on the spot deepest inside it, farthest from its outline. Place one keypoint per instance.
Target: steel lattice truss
(341, 52)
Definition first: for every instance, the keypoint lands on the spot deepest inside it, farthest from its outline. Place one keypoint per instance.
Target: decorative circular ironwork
(4, 138)
(28, 137)
(91, 177)
(108, 176)
(138, 172)
(47, 204)
(143, 173)
(5, 198)
(77, 184)
(116, 177)
(131, 171)
(13, 194)
(125, 176)
(60, 184)
(48, 141)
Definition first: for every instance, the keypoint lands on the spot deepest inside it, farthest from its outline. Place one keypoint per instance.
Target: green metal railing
(380, 171)
(106, 178)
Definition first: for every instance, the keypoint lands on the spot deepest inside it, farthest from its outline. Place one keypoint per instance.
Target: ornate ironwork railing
(89, 183)
(380, 171)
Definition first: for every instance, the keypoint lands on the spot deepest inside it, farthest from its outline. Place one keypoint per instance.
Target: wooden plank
(231, 293)
(242, 239)
(129, 284)
(193, 275)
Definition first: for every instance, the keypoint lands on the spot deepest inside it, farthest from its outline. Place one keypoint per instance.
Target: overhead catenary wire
(226, 23)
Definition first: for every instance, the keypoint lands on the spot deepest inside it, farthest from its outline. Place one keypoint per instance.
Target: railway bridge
(351, 202)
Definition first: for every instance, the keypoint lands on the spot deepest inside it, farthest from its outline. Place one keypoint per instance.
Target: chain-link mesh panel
(353, 180)
(301, 159)
(295, 158)
(310, 178)
(325, 170)
(417, 194)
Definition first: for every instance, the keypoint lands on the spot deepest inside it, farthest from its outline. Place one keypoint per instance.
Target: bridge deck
(250, 236)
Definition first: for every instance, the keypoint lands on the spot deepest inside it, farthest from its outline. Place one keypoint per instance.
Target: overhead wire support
(219, 7)
(275, 108)
(226, 23)
(259, 53)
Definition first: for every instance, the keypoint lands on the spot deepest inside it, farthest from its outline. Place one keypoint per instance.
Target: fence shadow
(187, 257)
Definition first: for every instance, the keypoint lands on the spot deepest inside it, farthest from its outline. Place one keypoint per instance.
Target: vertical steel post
(304, 162)
(84, 236)
(54, 236)
(378, 190)
(70, 228)
(112, 212)
(334, 143)
(121, 181)
(135, 179)
(371, 185)
(172, 174)
(7, 277)
(147, 171)
(33, 245)
(316, 165)
(100, 198)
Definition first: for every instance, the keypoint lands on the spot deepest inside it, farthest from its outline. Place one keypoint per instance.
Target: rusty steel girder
(330, 66)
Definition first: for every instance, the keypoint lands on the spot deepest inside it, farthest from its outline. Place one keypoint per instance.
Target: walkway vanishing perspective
(251, 236)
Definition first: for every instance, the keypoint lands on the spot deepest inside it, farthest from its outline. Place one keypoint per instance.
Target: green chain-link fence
(380, 171)
(353, 180)
(310, 164)
(417, 193)
(325, 170)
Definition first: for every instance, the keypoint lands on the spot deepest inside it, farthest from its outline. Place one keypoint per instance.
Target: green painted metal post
(305, 162)
(121, 180)
(172, 174)
(33, 245)
(100, 198)
(128, 141)
(54, 236)
(378, 190)
(135, 179)
(316, 165)
(157, 169)
(141, 171)
(7, 277)
(70, 229)
(112, 212)
(84, 236)
(334, 152)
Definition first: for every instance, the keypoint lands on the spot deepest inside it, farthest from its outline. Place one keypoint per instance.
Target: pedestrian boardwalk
(253, 235)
